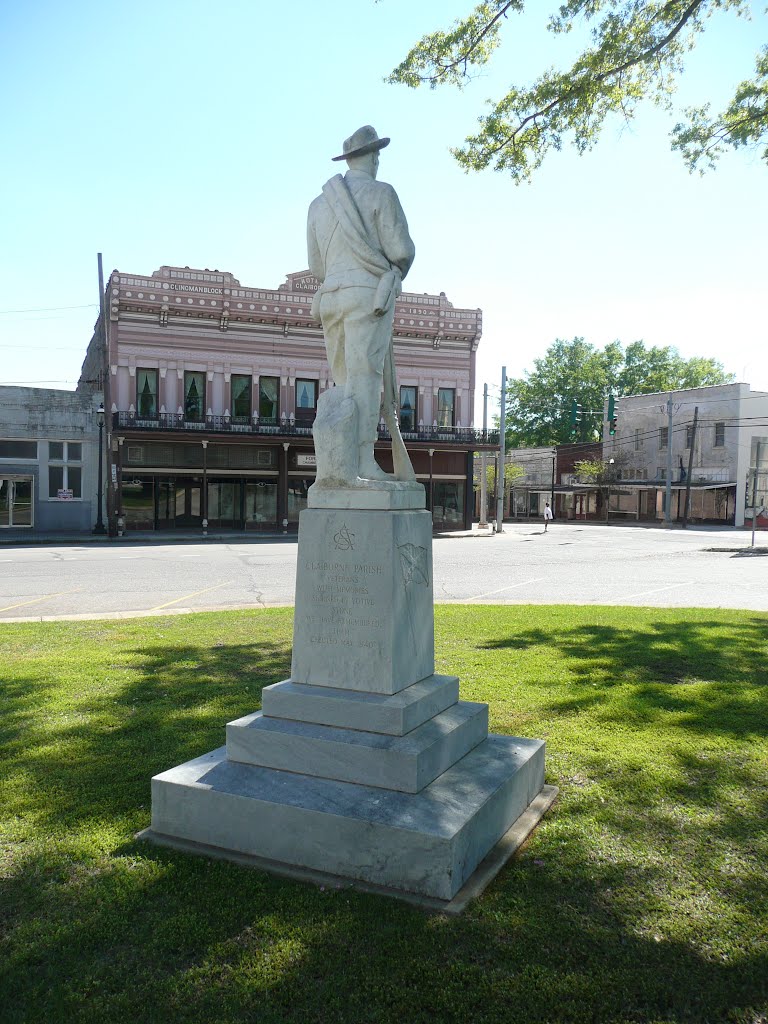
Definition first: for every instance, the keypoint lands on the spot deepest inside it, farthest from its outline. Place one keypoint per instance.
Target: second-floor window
(446, 401)
(146, 394)
(663, 437)
(65, 470)
(638, 439)
(719, 435)
(269, 399)
(241, 397)
(306, 398)
(689, 436)
(18, 449)
(194, 396)
(407, 408)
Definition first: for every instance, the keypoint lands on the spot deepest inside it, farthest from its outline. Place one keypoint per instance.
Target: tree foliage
(601, 473)
(637, 52)
(539, 403)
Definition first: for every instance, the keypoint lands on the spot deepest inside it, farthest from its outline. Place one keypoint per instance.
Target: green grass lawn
(641, 897)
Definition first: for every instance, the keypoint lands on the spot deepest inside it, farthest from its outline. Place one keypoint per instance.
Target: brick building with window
(211, 390)
(48, 460)
(722, 451)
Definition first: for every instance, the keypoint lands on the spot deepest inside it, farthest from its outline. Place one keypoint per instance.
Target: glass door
(189, 503)
(16, 501)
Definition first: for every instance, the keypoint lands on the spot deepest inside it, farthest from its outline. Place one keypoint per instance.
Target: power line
(48, 309)
(46, 348)
(22, 383)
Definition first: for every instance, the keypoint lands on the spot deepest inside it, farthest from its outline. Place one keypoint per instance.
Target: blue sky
(196, 134)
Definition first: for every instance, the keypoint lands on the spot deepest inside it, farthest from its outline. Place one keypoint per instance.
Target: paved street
(571, 564)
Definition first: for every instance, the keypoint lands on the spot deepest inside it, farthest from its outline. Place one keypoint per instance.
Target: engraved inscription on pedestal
(364, 617)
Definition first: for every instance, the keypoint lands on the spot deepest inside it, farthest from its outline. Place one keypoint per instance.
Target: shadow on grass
(602, 919)
(172, 706)
(657, 663)
(153, 935)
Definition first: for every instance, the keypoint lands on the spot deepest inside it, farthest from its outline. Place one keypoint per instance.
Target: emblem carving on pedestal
(342, 540)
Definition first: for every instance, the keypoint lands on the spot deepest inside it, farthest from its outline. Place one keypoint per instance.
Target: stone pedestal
(364, 765)
(364, 609)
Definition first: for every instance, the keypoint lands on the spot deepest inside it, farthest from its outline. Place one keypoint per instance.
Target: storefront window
(446, 398)
(146, 394)
(261, 502)
(65, 474)
(407, 408)
(224, 502)
(139, 502)
(241, 398)
(297, 497)
(448, 502)
(269, 399)
(194, 396)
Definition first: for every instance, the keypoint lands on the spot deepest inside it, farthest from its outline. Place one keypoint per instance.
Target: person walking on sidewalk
(548, 517)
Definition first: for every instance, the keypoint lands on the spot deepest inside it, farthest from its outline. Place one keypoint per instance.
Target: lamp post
(99, 527)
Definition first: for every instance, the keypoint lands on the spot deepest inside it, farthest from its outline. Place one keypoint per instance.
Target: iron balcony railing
(288, 427)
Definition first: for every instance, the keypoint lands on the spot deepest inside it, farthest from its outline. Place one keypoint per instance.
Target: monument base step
(393, 715)
(481, 878)
(428, 843)
(407, 763)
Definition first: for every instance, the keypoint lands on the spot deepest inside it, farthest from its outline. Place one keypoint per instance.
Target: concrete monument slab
(349, 709)
(405, 763)
(364, 615)
(428, 843)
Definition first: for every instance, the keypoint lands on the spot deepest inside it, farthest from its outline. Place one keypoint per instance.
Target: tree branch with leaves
(637, 53)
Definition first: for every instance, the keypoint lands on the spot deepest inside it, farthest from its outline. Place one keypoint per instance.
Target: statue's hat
(364, 140)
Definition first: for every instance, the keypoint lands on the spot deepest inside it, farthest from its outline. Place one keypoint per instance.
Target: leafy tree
(637, 52)
(603, 475)
(539, 403)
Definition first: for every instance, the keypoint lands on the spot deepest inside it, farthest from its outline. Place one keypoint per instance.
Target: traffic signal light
(612, 418)
(575, 417)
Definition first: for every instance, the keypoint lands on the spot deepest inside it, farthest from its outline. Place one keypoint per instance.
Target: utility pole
(668, 496)
(552, 487)
(756, 470)
(502, 453)
(111, 497)
(687, 506)
(483, 524)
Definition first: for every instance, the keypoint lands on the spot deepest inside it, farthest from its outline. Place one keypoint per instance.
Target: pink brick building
(212, 389)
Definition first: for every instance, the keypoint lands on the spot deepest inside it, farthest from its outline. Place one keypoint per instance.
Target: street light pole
(668, 488)
(502, 452)
(483, 524)
(758, 456)
(99, 527)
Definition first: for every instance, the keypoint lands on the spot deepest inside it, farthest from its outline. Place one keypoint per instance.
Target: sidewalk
(52, 539)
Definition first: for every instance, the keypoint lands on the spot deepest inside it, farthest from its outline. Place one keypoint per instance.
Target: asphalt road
(571, 564)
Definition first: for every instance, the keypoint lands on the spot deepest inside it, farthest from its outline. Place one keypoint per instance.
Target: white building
(722, 452)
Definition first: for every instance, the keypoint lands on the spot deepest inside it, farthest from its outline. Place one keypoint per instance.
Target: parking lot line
(36, 600)
(658, 590)
(194, 593)
(490, 593)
